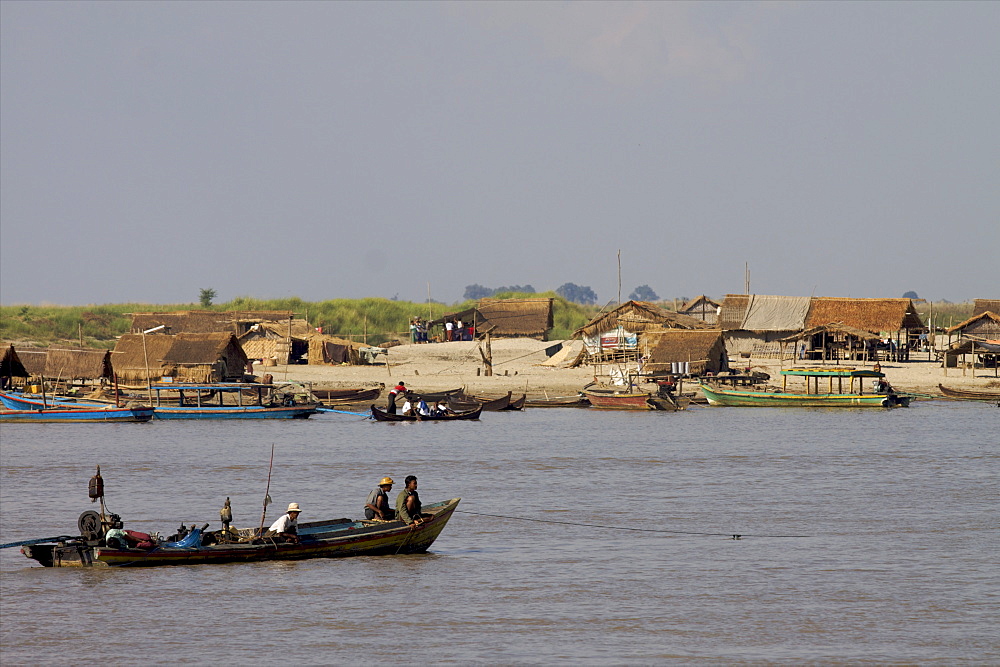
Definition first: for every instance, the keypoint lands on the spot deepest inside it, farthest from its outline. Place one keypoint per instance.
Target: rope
(343, 412)
(734, 536)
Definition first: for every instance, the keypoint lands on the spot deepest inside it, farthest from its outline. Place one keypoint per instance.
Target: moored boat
(383, 416)
(319, 539)
(970, 394)
(615, 398)
(467, 402)
(195, 401)
(61, 415)
(812, 397)
(578, 401)
(342, 396)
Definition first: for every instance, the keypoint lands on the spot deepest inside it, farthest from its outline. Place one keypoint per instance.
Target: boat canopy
(832, 373)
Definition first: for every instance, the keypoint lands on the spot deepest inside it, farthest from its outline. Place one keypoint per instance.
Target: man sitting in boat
(441, 409)
(408, 502)
(286, 528)
(377, 504)
(423, 409)
(882, 386)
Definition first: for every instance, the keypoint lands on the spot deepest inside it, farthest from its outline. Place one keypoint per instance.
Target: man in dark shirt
(408, 502)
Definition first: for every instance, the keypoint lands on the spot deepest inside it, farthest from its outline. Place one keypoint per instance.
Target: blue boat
(60, 415)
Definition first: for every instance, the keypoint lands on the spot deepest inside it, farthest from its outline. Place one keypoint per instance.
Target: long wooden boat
(383, 416)
(578, 401)
(60, 415)
(610, 398)
(468, 402)
(341, 396)
(319, 539)
(184, 406)
(517, 403)
(781, 397)
(429, 396)
(970, 394)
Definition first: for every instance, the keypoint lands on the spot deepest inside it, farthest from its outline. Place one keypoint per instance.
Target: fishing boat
(383, 416)
(62, 415)
(630, 398)
(435, 396)
(970, 394)
(813, 396)
(465, 402)
(335, 538)
(342, 396)
(208, 401)
(578, 401)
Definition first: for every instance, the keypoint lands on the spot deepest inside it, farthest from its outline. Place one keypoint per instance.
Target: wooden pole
(267, 492)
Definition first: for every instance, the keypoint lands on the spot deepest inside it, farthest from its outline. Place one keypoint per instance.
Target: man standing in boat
(377, 504)
(393, 394)
(408, 502)
(286, 527)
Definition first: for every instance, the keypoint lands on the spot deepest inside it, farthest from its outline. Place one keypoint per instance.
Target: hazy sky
(332, 150)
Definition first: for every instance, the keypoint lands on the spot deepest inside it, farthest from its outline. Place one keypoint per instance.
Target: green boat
(814, 396)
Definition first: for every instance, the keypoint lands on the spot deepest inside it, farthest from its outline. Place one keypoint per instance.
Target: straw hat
(293, 507)
(386, 480)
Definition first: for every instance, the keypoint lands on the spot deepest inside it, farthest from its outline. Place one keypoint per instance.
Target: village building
(980, 306)
(896, 321)
(238, 322)
(978, 342)
(614, 335)
(701, 308)
(682, 352)
(68, 367)
(191, 357)
(504, 318)
(753, 324)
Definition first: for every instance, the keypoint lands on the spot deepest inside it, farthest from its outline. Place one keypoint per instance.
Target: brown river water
(868, 536)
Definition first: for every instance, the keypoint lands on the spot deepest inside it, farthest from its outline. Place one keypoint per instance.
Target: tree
(524, 289)
(477, 291)
(207, 294)
(577, 293)
(643, 293)
(910, 295)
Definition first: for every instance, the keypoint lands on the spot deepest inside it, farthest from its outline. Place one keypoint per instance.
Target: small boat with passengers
(881, 396)
(380, 415)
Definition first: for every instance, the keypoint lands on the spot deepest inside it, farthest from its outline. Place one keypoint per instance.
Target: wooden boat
(319, 539)
(517, 403)
(341, 396)
(578, 401)
(780, 397)
(433, 395)
(383, 416)
(186, 407)
(61, 415)
(469, 402)
(970, 394)
(610, 398)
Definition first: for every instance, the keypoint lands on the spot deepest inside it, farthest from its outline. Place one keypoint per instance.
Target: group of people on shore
(408, 509)
(454, 329)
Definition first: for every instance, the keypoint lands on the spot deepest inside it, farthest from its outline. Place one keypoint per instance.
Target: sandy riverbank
(517, 367)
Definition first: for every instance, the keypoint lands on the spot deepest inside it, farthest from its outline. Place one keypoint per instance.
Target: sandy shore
(517, 368)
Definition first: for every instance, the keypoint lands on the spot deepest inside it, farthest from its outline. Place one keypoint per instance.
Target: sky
(322, 150)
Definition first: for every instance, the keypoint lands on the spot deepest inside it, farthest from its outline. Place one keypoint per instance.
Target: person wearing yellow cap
(377, 504)
(287, 527)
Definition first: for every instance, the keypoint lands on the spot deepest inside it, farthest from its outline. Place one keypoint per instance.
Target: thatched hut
(829, 341)
(697, 351)
(615, 334)
(701, 308)
(278, 342)
(204, 357)
(980, 306)
(984, 326)
(754, 323)
(208, 321)
(505, 318)
(70, 365)
(895, 320)
(11, 367)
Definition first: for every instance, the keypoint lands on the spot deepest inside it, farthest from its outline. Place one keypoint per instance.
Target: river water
(868, 536)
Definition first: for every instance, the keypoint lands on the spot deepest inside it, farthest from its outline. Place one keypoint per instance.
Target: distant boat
(780, 397)
(467, 402)
(970, 394)
(194, 401)
(341, 396)
(613, 398)
(61, 415)
(578, 401)
(383, 416)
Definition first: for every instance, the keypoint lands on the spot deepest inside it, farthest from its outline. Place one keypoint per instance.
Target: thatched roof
(874, 315)
(207, 321)
(980, 306)
(170, 355)
(984, 324)
(698, 304)
(522, 318)
(832, 328)
(10, 365)
(636, 317)
(734, 309)
(205, 348)
(704, 348)
(69, 364)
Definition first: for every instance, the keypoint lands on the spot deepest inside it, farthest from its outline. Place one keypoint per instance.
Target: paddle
(42, 540)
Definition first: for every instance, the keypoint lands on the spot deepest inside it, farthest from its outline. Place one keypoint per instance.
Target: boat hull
(301, 412)
(736, 398)
(319, 540)
(383, 416)
(970, 394)
(77, 415)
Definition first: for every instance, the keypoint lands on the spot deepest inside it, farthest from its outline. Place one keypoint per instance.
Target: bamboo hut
(701, 308)
(614, 335)
(680, 351)
(204, 357)
(278, 342)
(11, 367)
(980, 306)
(754, 323)
(69, 365)
(506, 318)
(832, 341)
(895, 320)
(984, 326)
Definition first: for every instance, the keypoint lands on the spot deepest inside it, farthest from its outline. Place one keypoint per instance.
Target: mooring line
(735, 536)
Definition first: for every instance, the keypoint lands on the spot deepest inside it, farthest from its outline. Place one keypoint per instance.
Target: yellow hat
(293, 507)
(386, 480)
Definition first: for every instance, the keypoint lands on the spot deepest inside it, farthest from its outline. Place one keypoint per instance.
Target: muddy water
(867, 536)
